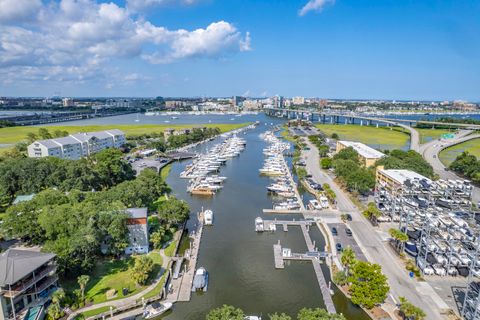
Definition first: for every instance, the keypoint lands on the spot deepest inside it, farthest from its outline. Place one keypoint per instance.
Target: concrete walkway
(375, 250)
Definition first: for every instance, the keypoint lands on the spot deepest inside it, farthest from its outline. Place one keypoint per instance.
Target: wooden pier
(279, 258)
(183, 286)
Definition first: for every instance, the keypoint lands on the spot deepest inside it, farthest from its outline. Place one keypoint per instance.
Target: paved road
(372, 244)
(431, 150)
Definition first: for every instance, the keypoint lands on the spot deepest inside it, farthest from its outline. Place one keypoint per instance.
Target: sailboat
(137, 120)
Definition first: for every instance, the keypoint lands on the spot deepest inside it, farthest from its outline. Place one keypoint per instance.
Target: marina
(313, 255)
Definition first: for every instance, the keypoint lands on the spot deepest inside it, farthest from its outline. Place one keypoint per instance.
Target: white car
(428, 271)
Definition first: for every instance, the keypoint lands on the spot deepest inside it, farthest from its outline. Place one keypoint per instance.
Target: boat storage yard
(441, 226)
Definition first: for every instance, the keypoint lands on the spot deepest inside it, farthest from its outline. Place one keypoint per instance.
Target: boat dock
(312, 255)
(182, 287)
(295, 189)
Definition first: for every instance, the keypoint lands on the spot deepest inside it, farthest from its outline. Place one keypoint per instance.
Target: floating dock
(312, 255)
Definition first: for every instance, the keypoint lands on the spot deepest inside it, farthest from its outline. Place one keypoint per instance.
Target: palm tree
(55, 310)
(82, 282)
(400, 238)
(410, 311)
(348, 259)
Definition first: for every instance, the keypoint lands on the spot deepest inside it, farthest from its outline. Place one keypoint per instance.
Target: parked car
(348, 232)
(334, 231)
(339, 247)
(349, 217)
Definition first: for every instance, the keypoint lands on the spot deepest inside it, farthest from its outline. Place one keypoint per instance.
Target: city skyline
(319, 48)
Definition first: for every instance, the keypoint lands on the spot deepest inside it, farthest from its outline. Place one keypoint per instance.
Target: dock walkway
(279, 259)
(182, 287)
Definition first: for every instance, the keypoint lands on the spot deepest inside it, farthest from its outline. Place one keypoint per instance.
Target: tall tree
(318, 314)
(226, 313)
(409, 311)
(141, 269)
(82, 282)
(348, 259)
(368, 284)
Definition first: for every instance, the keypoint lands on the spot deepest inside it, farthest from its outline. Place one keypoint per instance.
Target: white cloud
(18, 10)
(143, 5)
(75, 40)
(314, 5)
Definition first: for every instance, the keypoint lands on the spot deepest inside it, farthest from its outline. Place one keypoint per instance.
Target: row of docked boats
(203, 171)
(275, 166)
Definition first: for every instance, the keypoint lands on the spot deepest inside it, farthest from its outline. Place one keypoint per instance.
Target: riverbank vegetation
(379, 138)
(448, 155)
(468, 166)
(429, 134)
(227, 312)
(13, 135)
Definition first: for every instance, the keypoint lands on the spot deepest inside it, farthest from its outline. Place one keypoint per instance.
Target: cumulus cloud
(18, 10)
(314, 5)
(143, 5)
(74, 40)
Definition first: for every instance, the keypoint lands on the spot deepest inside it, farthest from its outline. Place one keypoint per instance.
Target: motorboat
(314, 205)
(259, 226)
(200, 280)
(252, 318)
(208, 217)
(155, 309)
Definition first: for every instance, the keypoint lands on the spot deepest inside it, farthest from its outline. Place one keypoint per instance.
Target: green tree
(340, 278)
(326, 163)
(173, 211)
(226, 313)
(348, 259)
(368, 284)
(334, 136)
(82, 282)
(347, 154)
(141, 269)
(60, 133)
(157, 237)
(372, 213)
(31, 137)
(112, 168)
(318, 314)
(281, 316)
(399, 237)
(44, 133)
(409, 311)
(55, 310)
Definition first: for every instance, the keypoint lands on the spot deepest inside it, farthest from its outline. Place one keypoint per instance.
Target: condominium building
(396, 179)
(76, 146)
(137, 224)
(27, 278)
(367, 155)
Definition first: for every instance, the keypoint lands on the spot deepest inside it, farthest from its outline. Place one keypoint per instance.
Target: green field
(13, 135)
(448, 155)
(113, 274)
(379, 138)
(427, 135)
(94, 312)
(165, 171)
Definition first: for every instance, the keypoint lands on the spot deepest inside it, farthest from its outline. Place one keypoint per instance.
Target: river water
(239, 260)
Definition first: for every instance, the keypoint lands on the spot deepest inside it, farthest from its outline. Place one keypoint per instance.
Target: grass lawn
(94, 312)
(285, 134)
(379, 138)
(427, 135)
(113, 274)
(165, 171)
(170, 250)
(17, 134)
(448, 155)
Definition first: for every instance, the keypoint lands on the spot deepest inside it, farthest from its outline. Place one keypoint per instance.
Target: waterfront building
(68, 102)
(278, 102)
(76, 146)
(367, 155)
(27, 279)
(298, 100)
(137, 225)
(395, 179)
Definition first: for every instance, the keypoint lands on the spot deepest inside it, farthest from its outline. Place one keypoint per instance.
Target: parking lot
(346, 240)
(157, 163)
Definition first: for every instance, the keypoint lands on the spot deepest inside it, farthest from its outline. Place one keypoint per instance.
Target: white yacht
(259, 224)
(155, 309)
(208, 217)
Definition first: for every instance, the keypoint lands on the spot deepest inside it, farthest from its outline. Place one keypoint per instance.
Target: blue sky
(332, 49)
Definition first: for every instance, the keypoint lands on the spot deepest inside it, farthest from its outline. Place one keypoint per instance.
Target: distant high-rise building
(278, 102)
(298, 100)
(68, 102)
(237, 101)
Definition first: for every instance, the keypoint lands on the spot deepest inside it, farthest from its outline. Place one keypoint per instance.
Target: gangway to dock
(312, 255)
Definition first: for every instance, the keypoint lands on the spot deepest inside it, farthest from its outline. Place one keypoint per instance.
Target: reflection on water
(240, 261)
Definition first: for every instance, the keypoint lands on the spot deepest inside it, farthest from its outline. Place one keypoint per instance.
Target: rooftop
(137, 212)
(401, 175)
(363, 150)
(15, 264)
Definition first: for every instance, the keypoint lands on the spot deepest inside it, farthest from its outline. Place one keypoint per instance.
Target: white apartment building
(76, 146)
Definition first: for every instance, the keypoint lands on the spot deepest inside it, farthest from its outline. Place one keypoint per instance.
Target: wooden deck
(277, 255)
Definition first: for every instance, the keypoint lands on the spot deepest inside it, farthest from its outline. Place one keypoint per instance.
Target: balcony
(19, 288)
